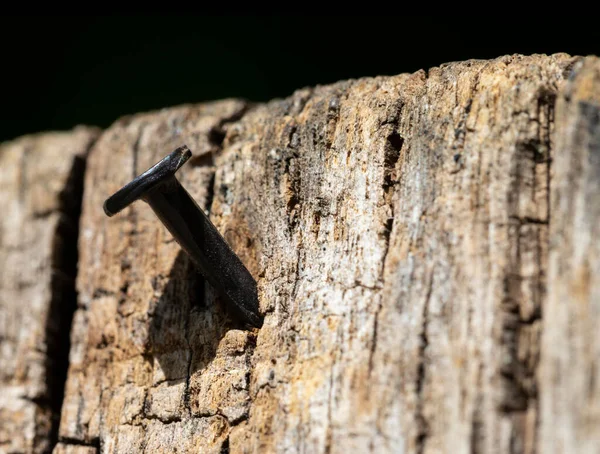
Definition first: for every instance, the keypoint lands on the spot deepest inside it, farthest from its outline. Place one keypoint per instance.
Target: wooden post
(426, 251)
(41, 183)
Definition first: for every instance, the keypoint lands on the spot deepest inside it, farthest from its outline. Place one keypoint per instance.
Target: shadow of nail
(186, 324)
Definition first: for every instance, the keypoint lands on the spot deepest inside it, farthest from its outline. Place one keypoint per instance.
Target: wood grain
(425, 247)
(41, 180)
(571, 341)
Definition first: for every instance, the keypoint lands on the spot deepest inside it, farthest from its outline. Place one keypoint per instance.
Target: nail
(194, 232)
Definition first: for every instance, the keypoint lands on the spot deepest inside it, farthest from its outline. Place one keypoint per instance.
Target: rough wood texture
(426, 251)
(398, 228)
(570, 404)
(143, 327)
(40, 192)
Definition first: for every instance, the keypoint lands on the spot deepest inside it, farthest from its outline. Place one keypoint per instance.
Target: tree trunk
(426, 253)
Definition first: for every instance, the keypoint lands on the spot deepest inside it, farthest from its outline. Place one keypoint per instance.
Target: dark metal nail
(194, 232)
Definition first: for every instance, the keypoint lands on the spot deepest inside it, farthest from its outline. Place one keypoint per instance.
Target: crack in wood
(420, 419)
(64, 295)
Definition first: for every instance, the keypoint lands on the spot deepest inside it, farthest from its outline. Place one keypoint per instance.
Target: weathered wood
(41, 179)
(398, 229)
(426, 252)
(141, 306)
(570, 404)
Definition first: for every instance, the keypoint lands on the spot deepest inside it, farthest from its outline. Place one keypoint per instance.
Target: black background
(61, 71)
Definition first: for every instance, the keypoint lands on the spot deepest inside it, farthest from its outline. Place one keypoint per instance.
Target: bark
(41, 181)
(425, 247)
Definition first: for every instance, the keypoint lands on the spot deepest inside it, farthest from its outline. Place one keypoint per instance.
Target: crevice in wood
(421, 422)
(210, 193)
(374, 339)
(162, 420)
(93, 443)
(225, 446)
(528, 220)
(217, 134)
(548, 140)
(393, 149)
(63, 302)
(392, 152)
(102, 292)
(291, 173)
